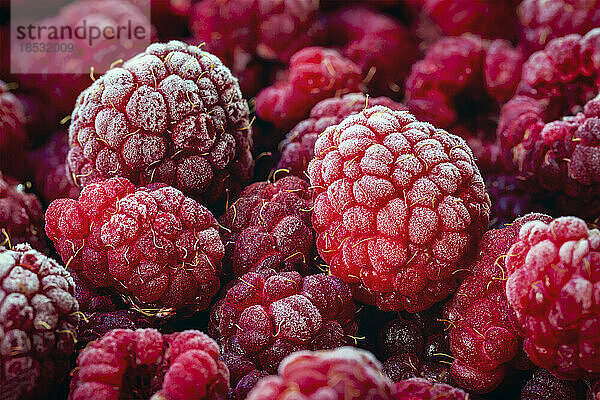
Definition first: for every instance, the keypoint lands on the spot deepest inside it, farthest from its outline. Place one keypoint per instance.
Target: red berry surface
(38, 323)
(12, 133)
(96, 325)
(151, 243)
(398, 207)
(554, 287)
(545, 386)
(423, 389)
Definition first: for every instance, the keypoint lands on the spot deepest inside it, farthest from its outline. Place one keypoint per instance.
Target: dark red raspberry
(97, 325)
(173, 114)
(49, 170)
(12, 133)
(482, 338)
(298, 147)
(593, 390)
(370, 38)
(423, 389)
(38, 323)
(21, 215)
(267, 315)
(41, 119)
(269, 226)
(151, 243)
(343, 373)
(143, 364)
(550, 131)
(93, 300)
(459, 86)
(399, 206)
(554, 288)
(542, 21)
(545, 386)
(243, 375)
(314, 74)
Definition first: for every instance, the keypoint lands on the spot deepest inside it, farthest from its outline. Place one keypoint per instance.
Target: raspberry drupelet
(144, 364)
(554, 288)
(399, 206)
(152, 244)
(545, 386)
(173, 114)
(96, 325)
(423, 389)
(38, 323)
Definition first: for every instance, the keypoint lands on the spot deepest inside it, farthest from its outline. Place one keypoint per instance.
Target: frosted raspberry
(459, 86)
(554, 288)
(398, 206)
(543, 21)
(267, 315)
(143, 364)
(545, 386)
(12, 133)
(329, 374)
(549, 130)
(21, 215)
(269, 226)
(243, 373)
(369, 38)
(423, 389)
(173, 114)
(38, 323)
(98, 324)
(314, 74)
(298, 147)
(482, 338)
(49, 170)
(151, 243)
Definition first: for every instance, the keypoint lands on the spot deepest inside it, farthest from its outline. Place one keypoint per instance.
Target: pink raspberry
(267, 315)
(314, 74)
(554, 288)
(345, 372)
(398, 206)
(21, 215)
(423, 389)
(298, 147)
(549, 130)
(545, 386)
(152, 244)
(38, 323)
(144, 364)
(370, 38)
(482, 338)
(98, 324)
(172, 114)
(269, 226)
(12, 133)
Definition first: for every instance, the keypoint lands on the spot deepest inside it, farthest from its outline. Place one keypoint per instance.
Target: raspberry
(482, 338)
(93, 300)
(49, 170)
(459, 86)
(329, 374)
(150, 243)
(173, 114)
(242, 371)
(267, 315)
(423, 389)
(314, 74)
(545, 386)
(398, 206)
(12, 132)
(369, 38)
(554, 288)
(553, 141)
(297, 148)
(38, 323)
(98, 324)
(542, 21)
(143, 364)
(269, 226)
(21, 215)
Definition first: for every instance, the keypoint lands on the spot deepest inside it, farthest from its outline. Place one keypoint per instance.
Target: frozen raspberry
(172, 114)
(459, 86)
(593, 390)
(298, 147)
(38, 323)
(423, 389)
(399, 206)
(49, 170)
(12, 133)
(152, 244)
(243, 375)
(21, 215)
(97, 325)
(314, 74)
(545, 386)
(269, 226)
(343, 373)
(554, 288)
(93, 300)
(143, 364)
(542, 21)
(548, 129)
(267, 315)
(482, 338)
(41, 119)
(370, 38)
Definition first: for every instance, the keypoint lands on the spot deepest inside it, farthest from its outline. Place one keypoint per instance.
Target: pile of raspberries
(304, 199)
